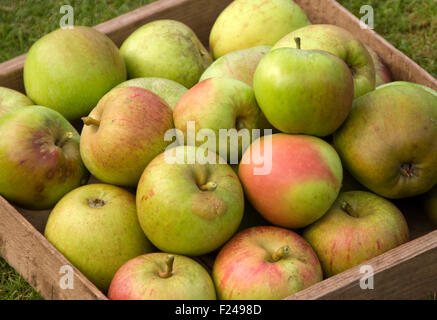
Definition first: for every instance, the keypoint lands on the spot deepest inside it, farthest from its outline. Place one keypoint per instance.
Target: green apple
(161, 276)
(250, 23)
(382, 73)
(431, 205)
(239, 65)
(189, 207)
(69, 70)
(216, 104)
(265, 263)
(168, 90)
(39, 157)
(11, 99)
(96, 228)
(341, 43)
(359, 226)
(389, 141)
(304, 91)
(303, 181)
(123, 133)
(165, 49)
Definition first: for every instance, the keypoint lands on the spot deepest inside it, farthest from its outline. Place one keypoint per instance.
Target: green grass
(410, 25)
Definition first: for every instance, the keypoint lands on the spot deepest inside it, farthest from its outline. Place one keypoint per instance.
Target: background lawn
(410, 25)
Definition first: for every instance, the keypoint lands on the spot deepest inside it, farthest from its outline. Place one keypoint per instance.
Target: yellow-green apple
(69, 70)
(161, 276)
(431, 205)
(304, 91)
(249, 23)
(11, 99)
(265, 263)
(303, 182)
(123, 133)
(189, 201)
(168, 90)
(359, 226)
(341, 43)
(96, 228)
(239, 65)
(165, 49)
(39, 157)
(215, 105)
(389, 141)
(382, 73)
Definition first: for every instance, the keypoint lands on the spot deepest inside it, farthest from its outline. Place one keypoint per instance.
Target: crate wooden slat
(406, 272)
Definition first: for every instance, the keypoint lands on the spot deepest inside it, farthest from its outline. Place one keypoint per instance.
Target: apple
(341, 43)
(304, 180)
(189, 207)
(250, 23)
(69, 70)
(39, 157)
(11, 99)
(382, 72)
(388, 143)
(168, 90)
(304, 91)
(165, 49)
(161, 276)
(96, 228)
(123, 133)
(215, 104)
(239, 65)
(431, 205)
(358, 227)
(265, 263)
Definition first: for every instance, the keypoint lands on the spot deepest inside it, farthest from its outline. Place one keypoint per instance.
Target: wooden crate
(406, 272)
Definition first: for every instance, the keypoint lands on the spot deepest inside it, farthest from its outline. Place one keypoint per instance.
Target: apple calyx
(281, 253)
(65, 138)
(209, 186)
(169, 267)
(96, 203)
(346, 207)
(298, 42)
(407, 170)
(90, 121)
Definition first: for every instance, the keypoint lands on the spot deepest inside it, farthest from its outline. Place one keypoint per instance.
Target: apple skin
(431, 205)
(168, 90)
(389, 141)
(140, 279)
(239, 65)
(245, 270)
(382, 73)
(304, 91)
(69, 70)
(304, 181)
(96, 228)
(165, 49)
(133, 122)
(39, 157)
(250, 23)
(177, 215)
(341, 43)
(219, 103)
(11, 99)
(358, 227)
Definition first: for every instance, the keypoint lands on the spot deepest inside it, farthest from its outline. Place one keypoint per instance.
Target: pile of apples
(136, 233)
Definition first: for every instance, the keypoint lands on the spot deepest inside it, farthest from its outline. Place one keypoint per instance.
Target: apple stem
(67, 136)
(280, 253)
(88, 121)
(210, 186)
(348, 209)
(169, 267)
(298, 44)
